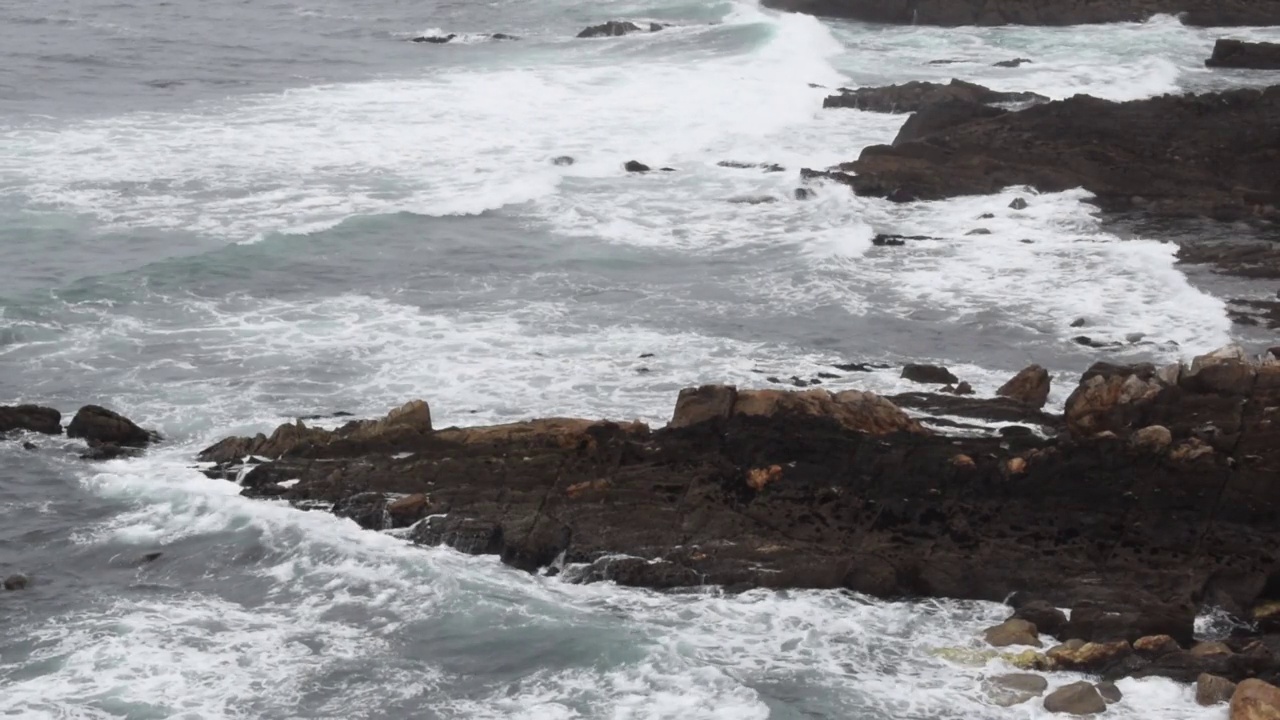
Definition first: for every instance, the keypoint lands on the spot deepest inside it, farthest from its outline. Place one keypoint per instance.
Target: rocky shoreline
(1206, 13)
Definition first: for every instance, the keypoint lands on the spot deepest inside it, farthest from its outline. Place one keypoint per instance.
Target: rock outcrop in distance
(1205, 13)
(1212, 155)
(1152, 495)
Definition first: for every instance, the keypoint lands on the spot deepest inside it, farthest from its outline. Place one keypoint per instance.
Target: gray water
(219, 216)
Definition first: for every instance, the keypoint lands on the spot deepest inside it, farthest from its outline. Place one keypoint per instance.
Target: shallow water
(216, 218)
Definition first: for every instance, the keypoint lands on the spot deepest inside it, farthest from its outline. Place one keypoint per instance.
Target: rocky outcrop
(1030, 387)
(33, 418)
(928, 374)
(1241, 54)
(1038, 12)
(614, 28)
(100, 425)
(1210, 155)
(914, 96)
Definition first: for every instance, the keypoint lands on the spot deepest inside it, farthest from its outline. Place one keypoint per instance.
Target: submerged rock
(1011, 63)
(1015, 688)
(613, 28)
(562, 160)
(16, 582)
(435, 39)
(30, 417)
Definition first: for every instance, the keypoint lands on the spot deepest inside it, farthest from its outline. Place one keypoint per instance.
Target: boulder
(16, 582)
(407, 510)
(854, 410)
(98, 424)
(1047, 618)
(1078, 698)
(1213, 690)
(1029, 386)
(1108, 398)
(1014, 688)
(1109, 692)
(1011, 63)
(30, 417)
(1152, 440)
(915, 96)
(367, 509)
(929, 374)
(939, 116)
(1018, 204)
(635, 166)
(1152, 646)
(1226, 370)
(1240, 54)
(407, 422)
(703, 404)
(613, 28)
(1089, 656)
(1255, 700)
(1013, 631)
(1207, 649)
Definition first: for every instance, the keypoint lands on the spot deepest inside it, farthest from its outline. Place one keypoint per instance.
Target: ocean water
(216, 217)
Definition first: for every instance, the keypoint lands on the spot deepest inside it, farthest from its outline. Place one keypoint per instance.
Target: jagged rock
(368, 509)
(914, 96)
(1108, 397)
(1047, 618)
(409, 421)
(1240, 54)
(1109, 692)
(30, 417)
(98, 424)
(929, 374)
(1255, 700)
(1078, 698)
(1029, 386)
(1213, 690)
(1013, 631)
(1152, 439)
(1018, 204)
(634, 166)
(16, 582)
(1015, 688)
(408, 510)
(1226, 370)
(613, 28)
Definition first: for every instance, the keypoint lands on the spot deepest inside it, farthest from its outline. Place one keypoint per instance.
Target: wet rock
(1029, 386)
(1152, 646)
(1015, 688)
(860, 367)
(1152, 439)
(1240, 54)
(1206, 649)
(408, 510)
(1087, 341)
(707, 403)
(915, 96)
(767, 167)
(1013, 631)
(1109, 397)
(368, 509)
(101, 451)
(1078, 322)
(28, 445)
(613, 28)
(95, 423)
(1255, 700)
(1018, 204)
(979, 231)
(503, 36)
(1088, 656)
(435, 39)
(1213, 690)
(1226, 370)
(1011, 63)
(16, 582)
(929, 374)
(962, 388)
(405, 423)
(803, 193)
(1078, 698)
(884, 239)
(30, 417)
(1109, 692)
(562, 161)
(634, 166)
(1047, 618)
(1093, 623)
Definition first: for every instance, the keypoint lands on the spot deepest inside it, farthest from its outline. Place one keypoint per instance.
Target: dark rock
(1241, 54)
(1094, 624)
(916, 95)
(884, 239)
(1047, 618)
(767, 167)
(929, 374)
(1209, 155)
(979, 231)
(1078, 698)
(99, 424)
(30, 417)
(28, 445)
(1109, 692)
(405, 511)
(950, 13)
(368, 509)
(100, 451)
(941, 116)
(1030, 386)
(562, 161)
(961, 388)
(152, 556)
(1087, 341)
(667, 169)
(860, 367)
(646, 355)
(503, 36)
(1078, 322)
(996, 409)
(803, 193)
(16, 582)
(435, 39)
(655, 27)
(633, 166)
(1011, 63)
(1018, 204)
(613, 28)
(943, 62)
(1213, 690)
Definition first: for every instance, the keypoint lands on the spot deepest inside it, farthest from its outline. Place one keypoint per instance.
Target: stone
(703, 404)
(1226, 370)
(1047, 618)
(1152, 439)
(1093, 623)
(408, 510)
(929, 374)
(634, 166)
(1018, 204)
(1011, 63)
(1155, 645)
(915, 96)
(99, 424)
(1030, 386)
(1108, 397)
(1089, 657)
(30, 417)
(1254, 699)
(435, 39)
(1109, 692)
(1206, 649)
(1078, 698)
(100, 451)
(562, 161)
(613, 28)
(16, 582)
(978, 231)
(1228, 53)
(1213, 690)
(1014, 688)
(1013, 631)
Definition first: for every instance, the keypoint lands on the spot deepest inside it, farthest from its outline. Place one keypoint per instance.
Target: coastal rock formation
(30, 417)
(1030, 386)
(1038, 12)
(1241, 54)
(100, 425)
(913, 96)
(1211, 155)
(614, 28)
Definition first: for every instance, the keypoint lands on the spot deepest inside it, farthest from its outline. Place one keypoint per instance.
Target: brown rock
(929, 374)
(1078, 698)
(1152, 439)
(1255, 700)
(1030, 386)
(1089, 657)
(914, 96)
(758, 478)
(1211, 689)
(1206, 649)
(1109, 692)
(1155, 645)
(1013, 631)
(1108, 397)
(1225, 370)
(408, 509)
(1015, 688)
(854, 410)
(1190, 450)
(963, 461)
(703, 404)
